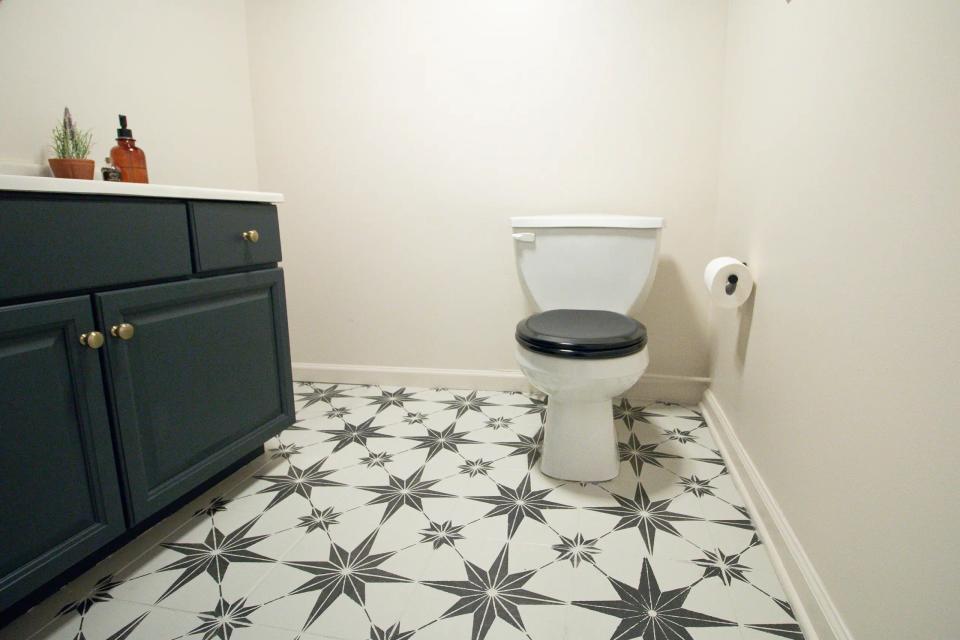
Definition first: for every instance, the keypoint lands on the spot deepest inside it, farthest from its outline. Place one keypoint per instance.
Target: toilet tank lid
(588, 221)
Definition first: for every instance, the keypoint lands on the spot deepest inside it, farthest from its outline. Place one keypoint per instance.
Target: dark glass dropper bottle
(127, 156)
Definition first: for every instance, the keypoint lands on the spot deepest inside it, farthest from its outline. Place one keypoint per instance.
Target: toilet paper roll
(729, 282)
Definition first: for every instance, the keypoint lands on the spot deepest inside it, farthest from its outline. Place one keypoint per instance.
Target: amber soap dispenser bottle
(127, 156)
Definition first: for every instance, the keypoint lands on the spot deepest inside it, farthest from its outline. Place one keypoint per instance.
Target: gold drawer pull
(251, 236)
(124, 331)
(93, 339)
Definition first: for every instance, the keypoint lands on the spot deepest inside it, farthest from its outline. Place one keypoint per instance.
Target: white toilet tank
(587, 261)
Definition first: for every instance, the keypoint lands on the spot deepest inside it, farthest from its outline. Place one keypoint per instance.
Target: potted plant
(71, 147)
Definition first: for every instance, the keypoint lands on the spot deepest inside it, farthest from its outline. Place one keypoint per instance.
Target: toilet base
(580, 441)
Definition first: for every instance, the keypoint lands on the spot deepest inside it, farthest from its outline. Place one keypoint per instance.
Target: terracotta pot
(72, 168)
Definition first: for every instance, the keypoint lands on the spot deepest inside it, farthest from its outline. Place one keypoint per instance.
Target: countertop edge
(98, 187)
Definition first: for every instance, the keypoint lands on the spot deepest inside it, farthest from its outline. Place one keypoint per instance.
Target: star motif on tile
(296, 426)
(530, 446)
(738, 523)
(123, 632)
(286, 450)
(576, 549)
(376, 459)
(681, 436)
(99, 592)
(638, 454)
(498, 423)
(410, 491)
(519, 503)
(337, 412)
(297, 481)
(697, 486)
(319, 394)
(696, 417)
(320, 519)
(417, 417)
(391, 633)
(631, 414)
(224, 619)
(536, 406)
(469, 402)
(789, 630)
(216, 505)
(436, 441)
(717, 459)
(358, 433)
(388, 399)
(717, 564)
(344, 573)
(213, 555)
(441, 533)
(474, 468)
(651, 614)
(490, 594)
(646, 515)
(783, 604)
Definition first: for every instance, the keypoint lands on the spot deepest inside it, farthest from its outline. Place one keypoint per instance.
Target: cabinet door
(59, 494)
(204, 379)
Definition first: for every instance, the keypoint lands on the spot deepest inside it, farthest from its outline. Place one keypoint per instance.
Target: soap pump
(127, 156)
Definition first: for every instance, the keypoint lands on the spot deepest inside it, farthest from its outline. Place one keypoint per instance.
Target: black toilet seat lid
(582, 333)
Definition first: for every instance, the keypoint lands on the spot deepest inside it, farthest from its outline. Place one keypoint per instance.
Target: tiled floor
(388, 513)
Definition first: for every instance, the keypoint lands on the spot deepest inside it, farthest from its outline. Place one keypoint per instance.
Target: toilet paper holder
(732, 281)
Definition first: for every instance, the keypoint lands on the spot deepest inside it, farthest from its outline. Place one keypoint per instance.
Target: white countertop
(64, 185)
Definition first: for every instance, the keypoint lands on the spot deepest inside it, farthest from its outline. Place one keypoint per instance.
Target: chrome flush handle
(524, 237)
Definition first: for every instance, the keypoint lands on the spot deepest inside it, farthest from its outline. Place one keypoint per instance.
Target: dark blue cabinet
(204, 377)
(187, 375)
(59, 492)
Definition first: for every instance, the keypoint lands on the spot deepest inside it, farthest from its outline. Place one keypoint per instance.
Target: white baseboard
(814, 609)
(652, 386)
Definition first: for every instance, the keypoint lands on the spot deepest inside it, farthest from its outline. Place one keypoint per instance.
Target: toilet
(583, 274)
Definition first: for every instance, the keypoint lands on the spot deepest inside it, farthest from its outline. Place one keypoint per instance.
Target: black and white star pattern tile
(390, 513)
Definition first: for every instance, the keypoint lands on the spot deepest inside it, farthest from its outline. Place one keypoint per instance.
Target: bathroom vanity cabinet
(143, 350)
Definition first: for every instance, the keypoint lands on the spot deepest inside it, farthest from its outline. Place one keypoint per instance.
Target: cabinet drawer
(218, 233)
(53, 245)
(203, 379)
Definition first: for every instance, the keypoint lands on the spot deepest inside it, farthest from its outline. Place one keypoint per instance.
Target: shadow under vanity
(143, 354)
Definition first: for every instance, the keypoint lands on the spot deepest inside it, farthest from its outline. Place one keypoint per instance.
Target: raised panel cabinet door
(200, 377)
(59, 492)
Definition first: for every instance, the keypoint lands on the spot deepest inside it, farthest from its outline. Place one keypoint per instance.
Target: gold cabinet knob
(251, 236)
(93, 339)
(124, 331)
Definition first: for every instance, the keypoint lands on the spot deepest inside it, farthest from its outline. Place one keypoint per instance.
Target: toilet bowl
(584, 274)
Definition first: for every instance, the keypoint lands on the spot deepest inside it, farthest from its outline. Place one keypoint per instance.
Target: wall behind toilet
(404, 136)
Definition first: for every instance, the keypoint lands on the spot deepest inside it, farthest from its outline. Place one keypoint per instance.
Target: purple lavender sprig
(69, 141)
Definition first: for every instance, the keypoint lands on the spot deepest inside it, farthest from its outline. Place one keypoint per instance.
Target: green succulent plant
(70, 142)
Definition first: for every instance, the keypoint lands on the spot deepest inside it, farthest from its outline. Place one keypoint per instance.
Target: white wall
(839, 184)
(178, 69)
(404, 135)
